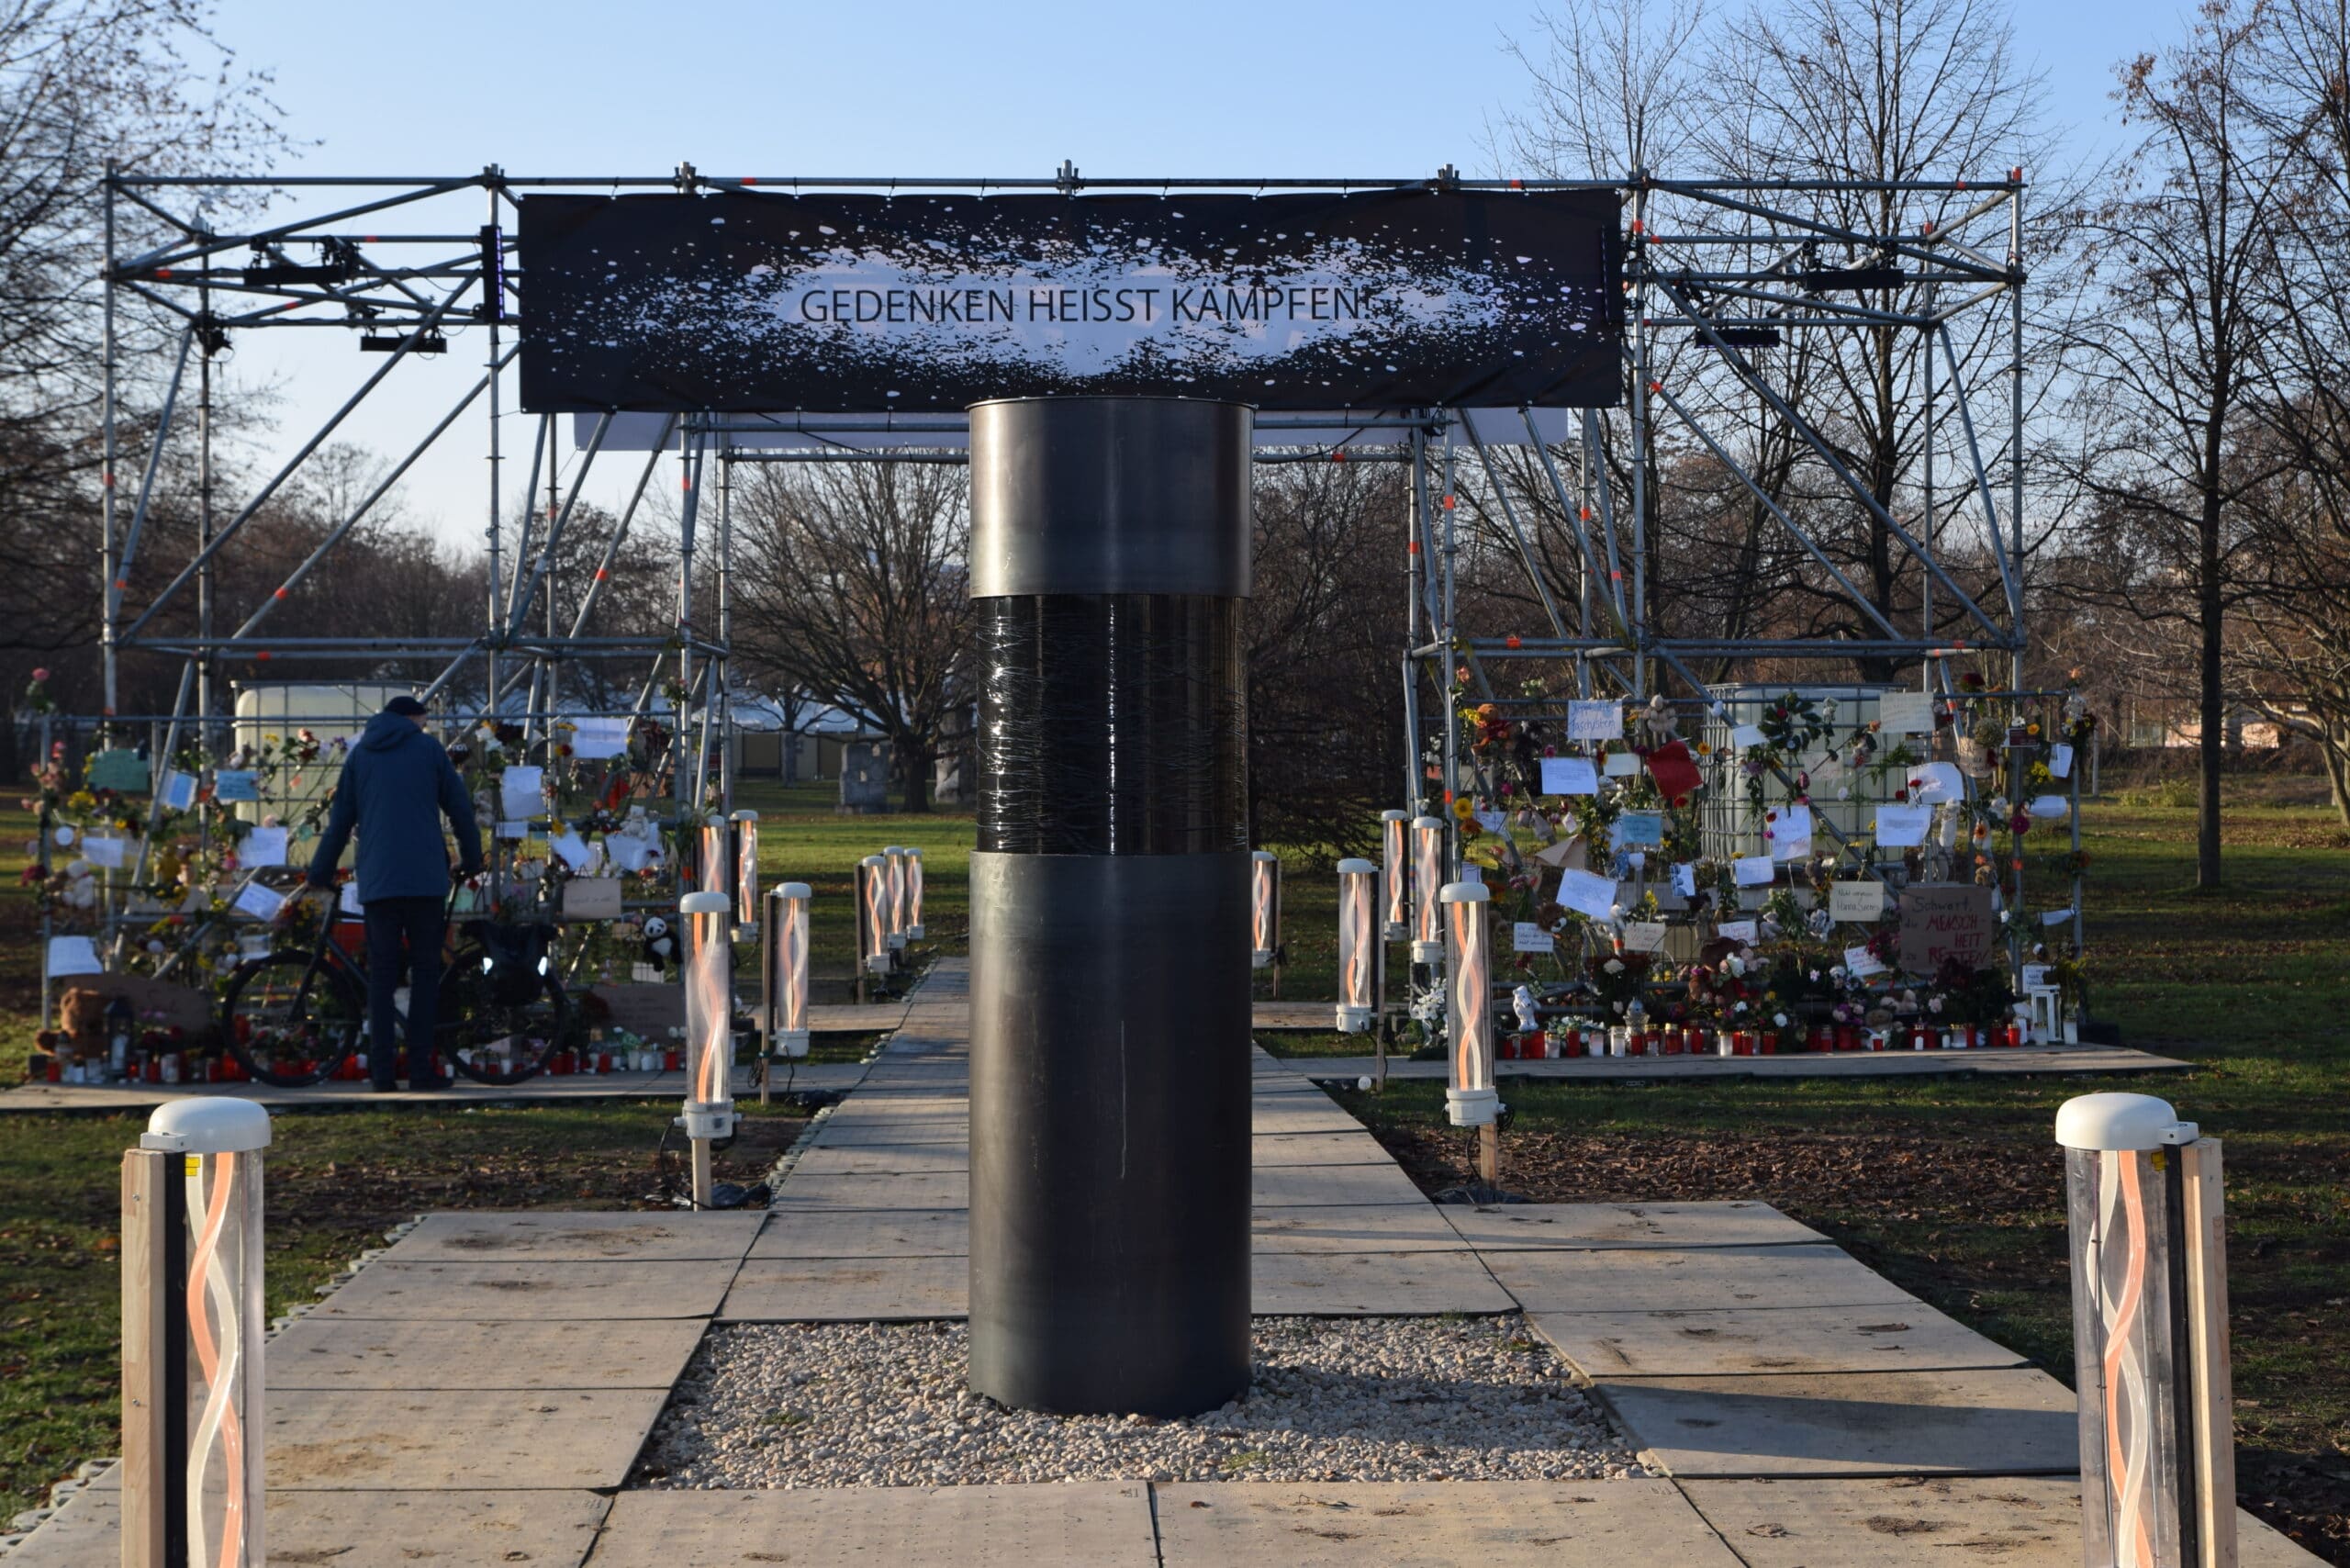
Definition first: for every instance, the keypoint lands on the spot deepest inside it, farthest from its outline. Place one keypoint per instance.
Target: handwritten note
(1791, 834)
(262, 847)
(1937, 782)
(1861, 963)
(1905, 713)
(1860, 902)
(1737, 931)
(1903, 827)
(1569, 775)
(1639, 830)
(1941, 921)
(1525, 936)
(1594, 721)
(1588, 894)
(1753, 870)
(1644, 935)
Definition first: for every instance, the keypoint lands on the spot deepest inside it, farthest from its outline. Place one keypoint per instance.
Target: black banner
(756, 302)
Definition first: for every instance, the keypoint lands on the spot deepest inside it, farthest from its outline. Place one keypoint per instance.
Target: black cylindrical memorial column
(1109, 905)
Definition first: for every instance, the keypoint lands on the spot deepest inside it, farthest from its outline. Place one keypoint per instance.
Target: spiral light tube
(1469, 1004)
(1357, 945)
(217, 1341)
(717, 857)
(915, 928)
(788, 972)
(894, 859)
(1428, 887)
(746, 870)
(873, 913)
(710, 1002)
(1395, 874)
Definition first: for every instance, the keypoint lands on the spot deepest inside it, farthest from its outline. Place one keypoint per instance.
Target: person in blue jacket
(397, 785)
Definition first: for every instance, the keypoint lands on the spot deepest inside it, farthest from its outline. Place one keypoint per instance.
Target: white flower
(1741, 1007)
(1780, 1019)
(1615, 965)
(1934, 1004)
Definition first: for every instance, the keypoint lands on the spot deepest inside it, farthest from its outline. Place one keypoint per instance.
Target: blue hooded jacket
(397, 785)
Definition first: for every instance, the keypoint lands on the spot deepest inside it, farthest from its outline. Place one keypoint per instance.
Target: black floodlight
(1823, 280)
(389, 342)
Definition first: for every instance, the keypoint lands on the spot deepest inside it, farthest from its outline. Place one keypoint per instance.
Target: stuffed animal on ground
(82, 1025)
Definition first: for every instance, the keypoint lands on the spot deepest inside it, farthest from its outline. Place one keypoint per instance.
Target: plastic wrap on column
(1395, 875)
(786, 949)
(2154, 1421)
(709, 971)
(214, 1312)
(1428, 884)
(746, 872)
(916, 929)
(1110, 906)
(1469, 1003)
(1264, 908)
(873, 915)
(894, 862)
(1357, 945)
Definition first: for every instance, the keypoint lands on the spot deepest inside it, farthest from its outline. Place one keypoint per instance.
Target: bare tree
(2181, 249)
(851, 583)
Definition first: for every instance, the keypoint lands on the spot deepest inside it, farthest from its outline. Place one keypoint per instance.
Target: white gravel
(1333, 1399)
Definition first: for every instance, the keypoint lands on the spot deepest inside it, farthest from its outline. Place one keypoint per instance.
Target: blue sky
(1372, 87)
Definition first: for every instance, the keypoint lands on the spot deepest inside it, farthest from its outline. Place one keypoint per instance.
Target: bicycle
(297, 1015)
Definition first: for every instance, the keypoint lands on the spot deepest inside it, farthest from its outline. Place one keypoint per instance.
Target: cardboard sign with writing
(1945, 919)
(1861, 902)
(1739, 931)
(591, 898)
(1905, 713)
(1644, 936)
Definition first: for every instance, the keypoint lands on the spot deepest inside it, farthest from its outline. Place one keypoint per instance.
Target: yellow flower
(1463, 808)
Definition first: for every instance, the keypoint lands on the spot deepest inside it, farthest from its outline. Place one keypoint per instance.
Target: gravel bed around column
(1334, 1399)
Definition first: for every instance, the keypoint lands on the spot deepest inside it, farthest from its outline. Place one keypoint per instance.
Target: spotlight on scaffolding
(1357, 945)
(191, 1336)
(786, 970)
(1395, 875)
(710, 1029)
(1264, 908)
(1428, 884)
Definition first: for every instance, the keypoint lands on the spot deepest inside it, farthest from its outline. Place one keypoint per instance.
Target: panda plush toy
(660, 943)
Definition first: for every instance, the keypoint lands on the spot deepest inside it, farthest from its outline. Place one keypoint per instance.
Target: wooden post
(147, 1397)
(702, 1172)
(2206, 1350)
(1489, 1154)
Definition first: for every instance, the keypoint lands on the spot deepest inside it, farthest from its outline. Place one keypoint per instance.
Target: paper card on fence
(2060, 761)
(1861, 963)
(1754, 898)
(595, 739)
(262, 847)
(1492, 822)
(1623, 765)
(572, 848)
(1747, 735)
(1569, 775)
(105, 851)
(1594, 721)
(522, 791)
(628, 851)
(1739, 931)
(1684, 879)
(178, 793)
(1644, 936)
(234, 785)
(349, 899)
(2034, 977)
(1791, 834)
(74, 956)
(121, 770)
(261, 902)
(1753, 870)
(1861, 900)
(1639, 830)
(591, 898)
(1903, 827)
(1525, 936)
(1937, 782)
(1588, 894)
(1905, 713)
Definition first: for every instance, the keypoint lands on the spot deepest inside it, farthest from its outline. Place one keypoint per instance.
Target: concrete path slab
(842, 1131)
(539, 1292)
(554, 1439)
(863, 1233)
(2004, 1422)
(578, 1238)
(1352, 1228)
(1299, 1114)
(1282, 1185)
(360, 1529)
(1767, 1340)
(2065, 1059)
(1444, 1524)
(849, 1290)
(1650, 1279)
(324, 1353)
(1926, 1522)
(1266, 1149)
(881, 1159)
(1100, 1524)
(1678, 1226)
(1372, 1285)
(907, 1189)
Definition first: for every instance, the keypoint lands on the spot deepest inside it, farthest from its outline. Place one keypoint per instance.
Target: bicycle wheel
(495, 1042)
(291, 1019)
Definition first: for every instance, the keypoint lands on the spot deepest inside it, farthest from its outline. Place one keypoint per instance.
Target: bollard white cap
(1465, 893)
(1356, 868)
(705, 903)
(794, 890)
(746, 815)
(207, 1127)
(2117, 1121)
(873, 860)
(1427, 822)
(1392, 815)
(1262, 854)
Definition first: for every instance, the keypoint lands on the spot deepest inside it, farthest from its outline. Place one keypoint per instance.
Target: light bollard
(1357, 945)
(709, 1114)
(1470, 1099)
(785, 950)
(1428, 886)
(717, 856)
(1264, 908)
(2150, 1339)
(873, 915)
(1395, 875)
(915, 931)
(192, 1337)
(746, 872)
(894, 862)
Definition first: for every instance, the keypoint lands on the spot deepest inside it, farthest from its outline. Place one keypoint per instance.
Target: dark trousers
(403, 935)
